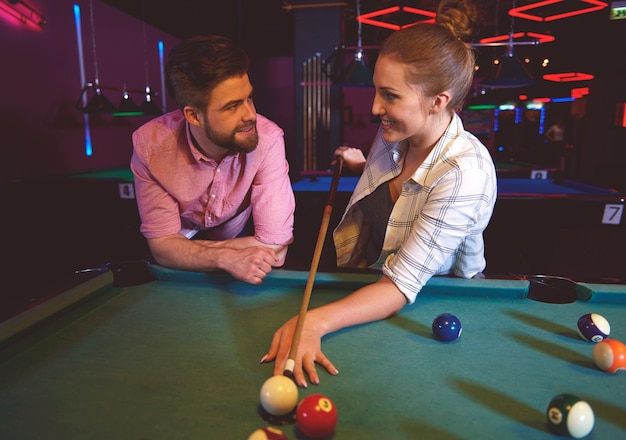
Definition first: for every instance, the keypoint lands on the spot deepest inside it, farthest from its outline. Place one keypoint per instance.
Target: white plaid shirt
(436, 225)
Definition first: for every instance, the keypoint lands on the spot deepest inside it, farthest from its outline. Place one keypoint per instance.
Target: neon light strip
(541, 38)
(367, 18)
(580, 92)
(496, 122)
(81, 64)
(423, 12)
(501, 38)
(518, 12)
(160, 48)
(568, 77)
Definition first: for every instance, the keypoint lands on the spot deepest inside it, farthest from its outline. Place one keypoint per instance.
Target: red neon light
(499, 38)
(27, 16)
(568, 77)
(541, 38)
(621, 114)
(423, 12)
(519, 12)
(367, 18)
(580, 92)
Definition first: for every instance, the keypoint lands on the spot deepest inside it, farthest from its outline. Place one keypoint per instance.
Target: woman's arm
(373, 302)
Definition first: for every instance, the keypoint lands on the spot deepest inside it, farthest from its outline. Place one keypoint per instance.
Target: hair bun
(459, 16)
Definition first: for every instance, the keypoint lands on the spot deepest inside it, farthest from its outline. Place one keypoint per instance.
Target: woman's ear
(441, 102)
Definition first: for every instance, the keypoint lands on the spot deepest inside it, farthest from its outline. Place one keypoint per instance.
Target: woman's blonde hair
(437, 55)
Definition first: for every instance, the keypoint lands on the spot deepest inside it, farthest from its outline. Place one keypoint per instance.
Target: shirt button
(212, 196)
(392, 220)
(217, 170)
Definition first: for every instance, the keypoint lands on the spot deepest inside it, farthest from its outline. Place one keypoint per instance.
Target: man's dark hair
(195, 66)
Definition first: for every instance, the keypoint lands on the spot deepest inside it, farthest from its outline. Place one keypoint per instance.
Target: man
(202, 171)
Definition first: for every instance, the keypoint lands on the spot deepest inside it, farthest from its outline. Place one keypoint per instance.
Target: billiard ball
(446, 327)
(279, 395)
(569, 415)
(316, 416)
(593, 327)
(269, 433)
(610, 355)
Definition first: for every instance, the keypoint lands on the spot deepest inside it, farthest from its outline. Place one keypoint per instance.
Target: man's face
(230, 117)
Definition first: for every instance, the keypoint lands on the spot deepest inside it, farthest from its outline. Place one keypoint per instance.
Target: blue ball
(446, 327)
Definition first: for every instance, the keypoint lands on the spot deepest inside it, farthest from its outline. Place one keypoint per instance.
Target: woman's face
(402, 108)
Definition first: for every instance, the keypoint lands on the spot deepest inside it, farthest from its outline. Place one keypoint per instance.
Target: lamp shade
(511, 73)
(127, 107)
(357, 74)
(150, 108)
(99, 104)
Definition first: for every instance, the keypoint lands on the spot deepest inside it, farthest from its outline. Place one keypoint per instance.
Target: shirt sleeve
(273, 201)
(458, 207)
(159, 212)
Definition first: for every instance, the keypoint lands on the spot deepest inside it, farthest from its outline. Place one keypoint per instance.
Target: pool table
(144, 352)
(516, 187)
(517, 169)
(504, 169)
(558, 227)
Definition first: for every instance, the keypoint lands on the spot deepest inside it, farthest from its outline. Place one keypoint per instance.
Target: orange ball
(610, 355)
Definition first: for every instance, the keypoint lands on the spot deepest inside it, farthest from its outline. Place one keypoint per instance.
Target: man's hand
(250, 264)
(245, 259)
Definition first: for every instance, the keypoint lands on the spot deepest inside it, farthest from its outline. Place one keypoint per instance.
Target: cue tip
(288, 371)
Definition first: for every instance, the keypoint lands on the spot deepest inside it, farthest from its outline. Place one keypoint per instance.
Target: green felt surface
(179, 358)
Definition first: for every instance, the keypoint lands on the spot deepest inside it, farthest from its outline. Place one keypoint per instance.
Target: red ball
(316, 416)
(610, 355)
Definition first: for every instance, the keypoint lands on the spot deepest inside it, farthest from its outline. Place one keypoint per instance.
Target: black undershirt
(377, 208)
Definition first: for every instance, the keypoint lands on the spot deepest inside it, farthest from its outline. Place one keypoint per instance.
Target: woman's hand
(353, 158)
(309, 351)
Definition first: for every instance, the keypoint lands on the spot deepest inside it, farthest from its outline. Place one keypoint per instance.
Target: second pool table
(539, 226)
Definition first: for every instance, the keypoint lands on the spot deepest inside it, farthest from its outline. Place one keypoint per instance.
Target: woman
(426, 193)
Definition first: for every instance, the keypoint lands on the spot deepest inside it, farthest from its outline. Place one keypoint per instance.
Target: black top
(377, 208)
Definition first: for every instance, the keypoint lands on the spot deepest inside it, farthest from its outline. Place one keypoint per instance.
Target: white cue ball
(279, 395)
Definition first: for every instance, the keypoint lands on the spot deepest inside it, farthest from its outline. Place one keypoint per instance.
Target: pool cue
(328, 209)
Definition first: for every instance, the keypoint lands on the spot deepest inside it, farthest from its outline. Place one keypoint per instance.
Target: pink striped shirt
(179, 189)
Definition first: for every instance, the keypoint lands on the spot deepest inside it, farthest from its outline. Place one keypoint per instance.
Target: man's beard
(230, 142)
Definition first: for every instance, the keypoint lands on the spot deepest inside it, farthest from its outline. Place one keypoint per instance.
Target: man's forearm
(178, 252)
